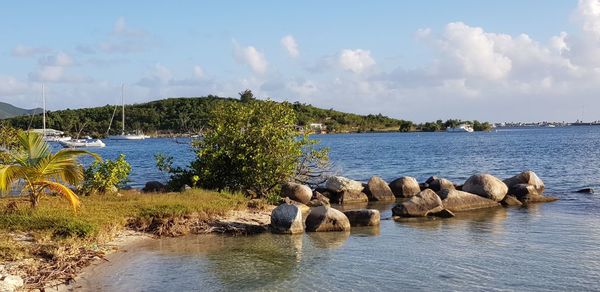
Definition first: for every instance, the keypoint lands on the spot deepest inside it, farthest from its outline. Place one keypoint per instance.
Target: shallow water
(553, 246)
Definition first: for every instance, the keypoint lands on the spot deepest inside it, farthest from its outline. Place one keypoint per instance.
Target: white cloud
(251, 57)
(356, 61)
(61, 60)
(9, 85)
(198, 72)
(291, 46)
(25, 51)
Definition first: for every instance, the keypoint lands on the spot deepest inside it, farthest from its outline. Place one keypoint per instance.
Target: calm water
(554, 246)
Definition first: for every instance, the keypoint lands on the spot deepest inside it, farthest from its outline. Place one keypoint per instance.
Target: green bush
(105, 176)
(253, 147)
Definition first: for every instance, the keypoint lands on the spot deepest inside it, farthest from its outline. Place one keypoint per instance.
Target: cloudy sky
(419, 60)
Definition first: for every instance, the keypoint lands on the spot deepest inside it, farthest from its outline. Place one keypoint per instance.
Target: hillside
(189, 115)
(9, 111)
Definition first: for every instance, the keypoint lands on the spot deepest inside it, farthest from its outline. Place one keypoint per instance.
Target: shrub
(105, 176)
(253, 147)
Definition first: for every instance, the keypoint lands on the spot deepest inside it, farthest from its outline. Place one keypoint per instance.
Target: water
(551, 246)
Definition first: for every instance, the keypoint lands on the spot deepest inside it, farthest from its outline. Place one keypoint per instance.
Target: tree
(9, 142)
(246, 95)
(43, 171)
(253, 147)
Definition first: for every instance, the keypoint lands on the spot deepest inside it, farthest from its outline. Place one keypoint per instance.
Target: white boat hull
(460, 129)
(128, 137)
(56, 139)
(83, 144)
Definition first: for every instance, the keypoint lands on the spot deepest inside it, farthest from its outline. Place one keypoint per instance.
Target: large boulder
(318, 199)
(523, 191)
(339, 184)
(422, 204)
(349, 197)
(437, 184)
(378, 190)
(510, 201)
(286, 219)
(297, 192)
(363, 217)
(323, 218)
(154, 187)
(526, 177)
(405, 187)
(457, 201)
(487, 186)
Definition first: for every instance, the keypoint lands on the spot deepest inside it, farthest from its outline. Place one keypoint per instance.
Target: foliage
(42, 170)
(9, 142)
(252, 147)
(105, 176)
(246, 96)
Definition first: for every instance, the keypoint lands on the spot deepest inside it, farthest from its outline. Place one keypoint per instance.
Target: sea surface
(544, 247)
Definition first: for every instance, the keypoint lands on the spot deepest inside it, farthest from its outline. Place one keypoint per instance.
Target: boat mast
(123, 103)
(44, 110)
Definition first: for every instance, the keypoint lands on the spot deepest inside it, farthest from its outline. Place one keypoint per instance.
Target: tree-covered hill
(189, 116)
(8, 111)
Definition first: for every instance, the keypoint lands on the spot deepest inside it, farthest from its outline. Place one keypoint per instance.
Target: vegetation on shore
(190, 115)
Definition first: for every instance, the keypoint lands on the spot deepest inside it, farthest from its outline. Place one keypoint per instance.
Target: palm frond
(62, 190)
(34, 145)
(9, 174)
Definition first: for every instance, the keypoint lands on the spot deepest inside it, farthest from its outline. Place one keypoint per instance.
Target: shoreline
(243, 222)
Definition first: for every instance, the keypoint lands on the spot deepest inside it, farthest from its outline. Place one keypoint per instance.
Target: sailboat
(124, 136)
(50, 135)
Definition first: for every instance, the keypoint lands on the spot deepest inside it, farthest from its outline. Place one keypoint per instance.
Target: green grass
(101, 216)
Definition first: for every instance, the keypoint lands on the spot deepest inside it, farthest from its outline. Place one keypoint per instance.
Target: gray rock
(526, 177)
(320, 197)
(323, 219)
(423, 203)
(510, 201)
(297, 192)
(523, 192)
(487, 186)
(339, 184)
(445, 213)
(405, 187)
(185, 188)
(456, 201)
(585, 191)
(363, 217)
(378, 190)
(11, 283)
(286, 219)
(437, 184)
(349, 197)
(154, 187)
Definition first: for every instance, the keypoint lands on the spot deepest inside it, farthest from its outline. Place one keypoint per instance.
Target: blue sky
(418, 60)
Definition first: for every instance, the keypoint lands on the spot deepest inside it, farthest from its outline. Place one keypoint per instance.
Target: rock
(339, 184)
(11, 283)
(420, 205)
(378, 190)
(423, 186)
(487, 186)
(510, 201)
(286, 219)
(585, 191)
(320, 197)
(363, 217)
(349, 197)
(185, 188)
(437, 184)
(523, 191)
(445, 213)
(154, 187)
(297, 192)
(323, 218)
(304, 209)
(526, 177)
(456, 201)
(405, 187)
(541, 199)
(317, 203)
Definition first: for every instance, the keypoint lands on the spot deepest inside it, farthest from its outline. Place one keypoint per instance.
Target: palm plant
(42, 171)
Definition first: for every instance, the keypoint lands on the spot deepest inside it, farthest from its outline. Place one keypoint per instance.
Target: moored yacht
(123, 135)
(460, 128)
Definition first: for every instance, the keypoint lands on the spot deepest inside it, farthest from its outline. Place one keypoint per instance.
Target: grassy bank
(102, 217)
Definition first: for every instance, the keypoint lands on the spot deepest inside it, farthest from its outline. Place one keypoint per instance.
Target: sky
(495, 61)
